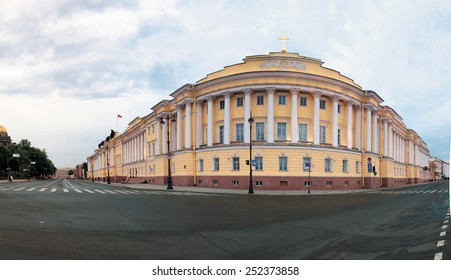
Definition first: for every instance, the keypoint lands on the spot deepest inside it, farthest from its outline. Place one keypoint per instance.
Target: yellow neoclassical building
(308, 121)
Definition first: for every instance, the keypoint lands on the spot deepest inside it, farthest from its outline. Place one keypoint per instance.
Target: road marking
(18, 189)
(441, 243)
(51, 183)
(43, 189)
(88, 191)
(65, 190)
(445, 221)
(99, 191)
(438, 256)
(108, 191)
(53, 190)
(427, 191)
(443, 233)
(77, 190)
(433, 191)
(122, 192)
(30, 190)
(445, 227)
(5, 189)
(130, 192)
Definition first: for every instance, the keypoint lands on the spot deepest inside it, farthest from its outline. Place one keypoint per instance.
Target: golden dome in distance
(3, 129)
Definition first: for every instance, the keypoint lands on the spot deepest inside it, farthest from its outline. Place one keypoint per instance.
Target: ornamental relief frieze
(283, 64)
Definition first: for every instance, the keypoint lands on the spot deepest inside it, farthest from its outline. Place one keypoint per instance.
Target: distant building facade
(5, 139)
(303, 115)
(62, 173)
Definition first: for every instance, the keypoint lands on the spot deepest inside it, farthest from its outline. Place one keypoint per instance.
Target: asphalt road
(69, 219)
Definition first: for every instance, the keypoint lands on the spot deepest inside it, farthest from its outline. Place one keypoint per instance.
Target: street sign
(16, 155)
(254, 162)
(306, 166)
(369, 159)
(370, 168)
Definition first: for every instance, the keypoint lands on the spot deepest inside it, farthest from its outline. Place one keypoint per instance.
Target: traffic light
(374, 169)
(247, 162)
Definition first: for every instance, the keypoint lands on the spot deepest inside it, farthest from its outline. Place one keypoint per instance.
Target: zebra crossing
(79, 190)
(414, 192)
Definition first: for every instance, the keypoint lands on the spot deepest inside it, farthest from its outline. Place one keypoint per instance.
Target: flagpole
(117, 122)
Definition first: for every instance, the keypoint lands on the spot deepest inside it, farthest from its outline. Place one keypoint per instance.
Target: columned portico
(210, 121)
(247, 113)
(270, 119)
(179, 127)
(349, 125)
(335, 121)
(227, 117)
(358, 127)
(294, 115)
(368, 108)
(199, 128)
(187, 124)
(316, 96)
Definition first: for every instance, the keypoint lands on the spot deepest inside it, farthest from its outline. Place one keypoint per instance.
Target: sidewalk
(206, 190)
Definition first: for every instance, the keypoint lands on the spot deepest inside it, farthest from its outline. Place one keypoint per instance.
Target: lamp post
(169, 151)
(251, 187)
(7, 165)
(108, 165)
(92, 170)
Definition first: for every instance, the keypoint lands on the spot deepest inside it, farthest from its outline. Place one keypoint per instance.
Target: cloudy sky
(68, 67)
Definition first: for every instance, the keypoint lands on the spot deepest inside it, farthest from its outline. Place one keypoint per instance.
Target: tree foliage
(23, 167)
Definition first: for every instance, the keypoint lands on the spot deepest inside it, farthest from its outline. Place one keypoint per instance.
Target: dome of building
(5, 140)
(3, 129)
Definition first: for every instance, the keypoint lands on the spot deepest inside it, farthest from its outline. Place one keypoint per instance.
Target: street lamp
(108, 165)
(251, 187)
(92, 170)
(7, 165)
(169, 151)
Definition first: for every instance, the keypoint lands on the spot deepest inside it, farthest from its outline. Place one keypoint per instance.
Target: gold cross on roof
(284, 38)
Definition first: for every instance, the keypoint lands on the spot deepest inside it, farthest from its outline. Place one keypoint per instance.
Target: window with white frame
(339, 136)
(303, 132)
(328, 165)
(259, 131)
(239, 132)
(303, 101)
(200, 164)
(221, 104)
(357, 166)
(153, 149)
(221, 133)
(322, 104)
(281, 131)
(239, 102)
(260, 100)
(345, 166)
(322, 134)
(259, 163)
(235, 163)
(283, 163)
(282, 100)
(215, 164)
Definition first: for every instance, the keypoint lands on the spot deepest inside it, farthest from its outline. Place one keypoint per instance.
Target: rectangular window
(345, 166)
(153, 129)
(221, 134)
(329, 183)
(260, 131)
(260, 100)
(215, 182)
(200, 163)
(259, 163)
(215, 164)
(328, 165)
(239, 102)
(235, 163)
(307, 183)
(281, 131)
(307, 164)
(148, 130)
(339, 136)
(322, 104)
(259, 183)
(235, 183)
(153, 149)
(283, 163)
(221, 105)
(282, 100)
(303, 101)
(346, 183)
(239, 132)
(339, 108)
(322, 134)
(303, 132)
(357, 166)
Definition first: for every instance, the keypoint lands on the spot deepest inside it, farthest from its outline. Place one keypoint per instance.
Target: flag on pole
(119, 116)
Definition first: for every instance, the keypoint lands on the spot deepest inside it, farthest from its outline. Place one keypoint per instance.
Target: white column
(247, 113)
(165, 136)
(390, 141)
(375, 147)
(358, 127)
(174, 136)
(294, 115)
(188, 124)
(349, 125)
(179, 127)
(335, 121)
(227, 118)
(385, 137)
(270, 121)
(198, 124)
(368, 128)
(403, 150)
(210, 121)
(316, 95)
(158, 144)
